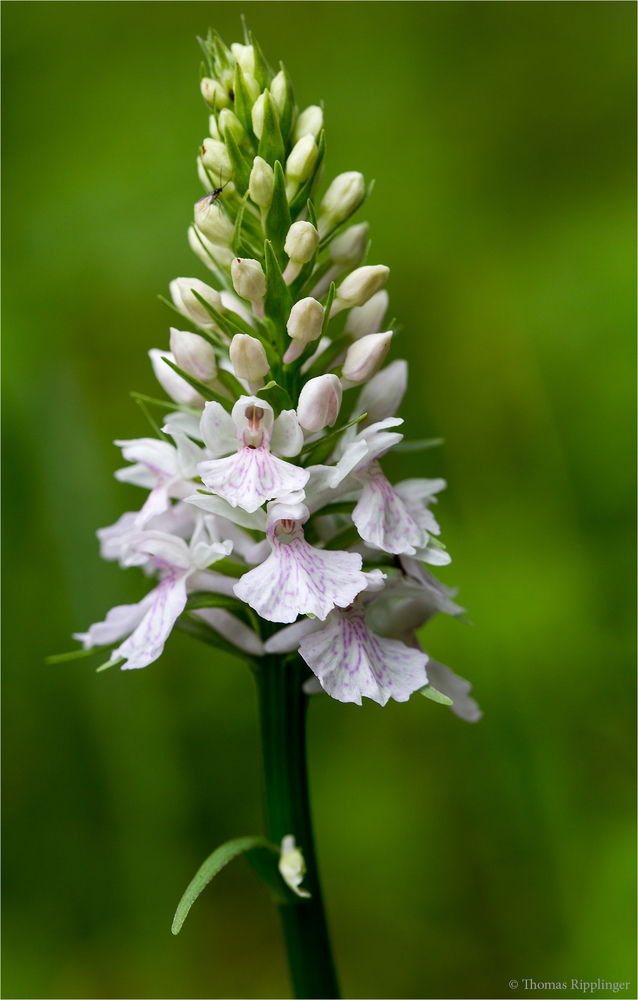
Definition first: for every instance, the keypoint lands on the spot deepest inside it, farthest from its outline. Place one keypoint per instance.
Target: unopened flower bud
(229, 120)
(215, 157)
(173, 384)
(261, 183)
(302, 159)
(245, 56)
(382, 395)
(181, 290)
(212, 222)
(359, 286)
(364, 358)
(252, 86)
(214, 94)
(301, 242)
(257, 114)
(213, 130)
(292, 866)
(369, 317)
(309, 122)
(349, 247)
(194, 355)
(249, 358)
(340, 200)
(211, 254)
(319, 403)
(278, 90)
(304, 325)
(249, 280)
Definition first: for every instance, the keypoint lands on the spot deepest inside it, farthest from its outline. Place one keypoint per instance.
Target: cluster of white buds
(267, 498)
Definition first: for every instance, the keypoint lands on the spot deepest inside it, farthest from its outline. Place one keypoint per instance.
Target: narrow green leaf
(74, 654)
(288, 109)
(111, 663)
(332, 291)
(271, 145)
(307, 188)
(214, 864)
(326, 359)
(318, 453)
(277, 302)
(229, 382)
(404, 446)
(229, 568)
(241, 169)
(344, 507)
(229, 324)
(202, 389)
(223, 53)
(278, 217)
(206, 599)
(244, 104)
(237, 236)
(346, 538)
(166, 404)
(276, 396)
(158, 431)
(429, 692)
(263, 72)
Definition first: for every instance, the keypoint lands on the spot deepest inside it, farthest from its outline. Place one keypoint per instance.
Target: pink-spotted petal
(119, 622)
(251, 477)
(352, 663)
(381, 517)
(147, 641)
(298, 579)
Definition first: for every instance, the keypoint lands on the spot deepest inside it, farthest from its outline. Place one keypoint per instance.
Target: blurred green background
(455, 857)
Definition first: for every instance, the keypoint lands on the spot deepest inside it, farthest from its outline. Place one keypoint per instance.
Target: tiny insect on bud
(261, 183)
(369, 317)
(194, 355)
(181, 290)
(319, 403)
(213, 93)
(215, 157)
(340, 200)
(245, 56)
(249, 280)
(364, 358)
(249, 359)
(309, 122)
(212, 221)
(304, 325)
(359, 286)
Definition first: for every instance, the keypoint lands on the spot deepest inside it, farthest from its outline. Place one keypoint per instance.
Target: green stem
(282, 706)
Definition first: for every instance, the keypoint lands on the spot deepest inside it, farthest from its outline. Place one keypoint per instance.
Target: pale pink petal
(147, 641)
(352, 662)
(233, 629)
(119, 622)
(218, 430)
(215, 505)
(287, 435)
(287, 639)
(251, 477)
(456, 688)
(382, 518)
(298, 579)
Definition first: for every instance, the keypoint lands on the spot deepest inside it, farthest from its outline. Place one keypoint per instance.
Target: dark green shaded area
(454, 858)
